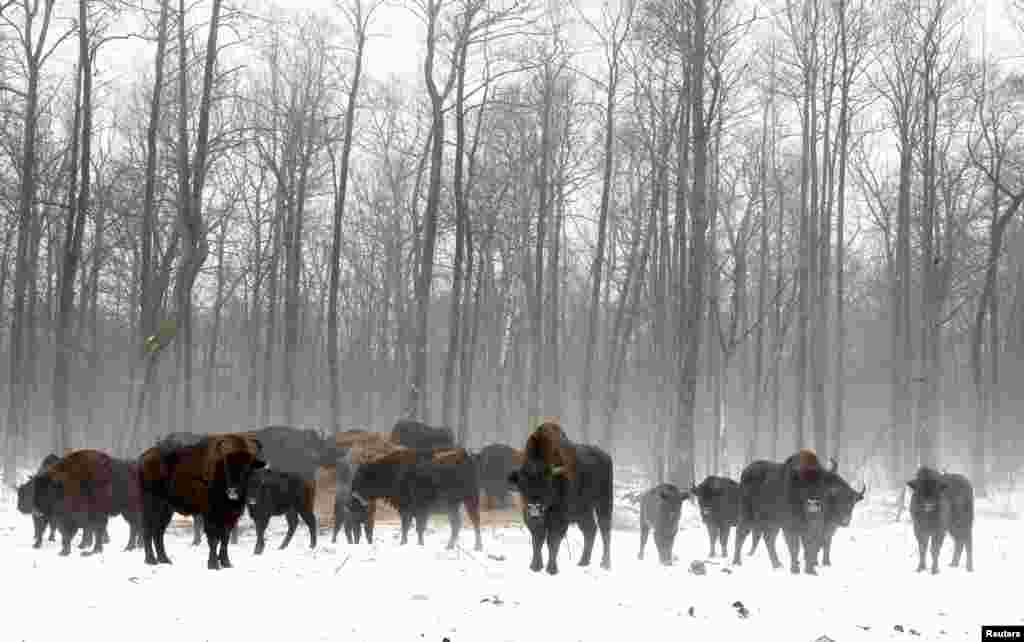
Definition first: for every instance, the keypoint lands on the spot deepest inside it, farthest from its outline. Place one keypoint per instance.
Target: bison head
(928, 488)
(26, 497)
(671, 499)
(841, 499)
(232, 461)
(541, 486)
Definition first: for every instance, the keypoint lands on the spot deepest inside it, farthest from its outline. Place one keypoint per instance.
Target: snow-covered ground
(387, 592)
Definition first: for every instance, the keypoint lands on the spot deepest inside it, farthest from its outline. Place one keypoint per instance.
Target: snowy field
(388, 592)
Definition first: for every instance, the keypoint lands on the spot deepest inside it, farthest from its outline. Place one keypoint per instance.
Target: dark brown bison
(79, 492)
(719, 501)
(209, 478)
(562, 483)
(177, 440)
(790, 497)
(942, 503)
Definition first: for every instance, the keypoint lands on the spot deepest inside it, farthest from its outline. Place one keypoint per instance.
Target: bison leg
(98, 524)
(261, 522)
(455, 522)
(222, 557)
(969, 549)
(293, 523)
(937, 539)
(353, 531)
(39, 528)
(67, 533)
(106, 535)
(406, 519)
(554, 538)
(339, 521)
(310, 519)
(589, 529)
(793, 544)
(723, 539)
(742, 530)
(473, 510)
(604, 524)
(922, 546)
(214, 534)
(197, 530)
(645, 530)
(234, 534)
(826, 550)
(537, 535)
(368, 527)
(753, 542)
(422, 515)
(712, 529)
(769, 535)
(86, 541)
(810, 555)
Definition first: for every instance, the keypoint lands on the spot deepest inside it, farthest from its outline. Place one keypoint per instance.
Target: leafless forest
(698, 231)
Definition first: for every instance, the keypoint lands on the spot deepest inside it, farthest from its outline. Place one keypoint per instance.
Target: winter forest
(699, 232)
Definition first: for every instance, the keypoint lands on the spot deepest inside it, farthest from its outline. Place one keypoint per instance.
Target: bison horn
(863, 489)
(832, 460)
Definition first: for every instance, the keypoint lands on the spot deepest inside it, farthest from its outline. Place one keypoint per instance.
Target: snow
(389, 592)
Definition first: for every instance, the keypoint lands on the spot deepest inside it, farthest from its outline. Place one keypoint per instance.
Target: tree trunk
(360, 27)
(682, 471)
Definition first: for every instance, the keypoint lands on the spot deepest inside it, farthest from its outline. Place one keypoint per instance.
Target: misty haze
(474, 320)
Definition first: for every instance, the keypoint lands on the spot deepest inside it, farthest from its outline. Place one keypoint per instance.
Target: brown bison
(79, 492)
(209, 478)
(563, 483)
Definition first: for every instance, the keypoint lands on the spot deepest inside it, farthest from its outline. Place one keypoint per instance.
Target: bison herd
(419, 469)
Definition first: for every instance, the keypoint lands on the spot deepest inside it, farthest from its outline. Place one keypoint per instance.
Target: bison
(271, 493)
(177, 440)
(942, 503)
(209, 478)
(495, 462)
(79, 492)
(790, 497)
(27, 505)
(298, 451)
(349, 513)
(719, 501)
(562, 483)
(840, 500)
(418, 435)
(417, 482)
(660, 508)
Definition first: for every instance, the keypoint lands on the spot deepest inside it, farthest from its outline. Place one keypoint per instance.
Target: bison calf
(719, 502)
(659, 509)
(942, 503)
(272, 493)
